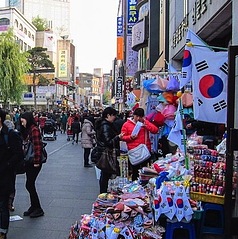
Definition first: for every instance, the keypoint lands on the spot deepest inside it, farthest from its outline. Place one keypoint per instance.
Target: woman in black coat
(11, 152)
(107, 137)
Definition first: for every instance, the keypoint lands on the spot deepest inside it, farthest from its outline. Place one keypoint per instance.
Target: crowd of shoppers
(105, 130)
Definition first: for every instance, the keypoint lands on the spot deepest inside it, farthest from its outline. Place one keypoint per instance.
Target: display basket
(204, 197)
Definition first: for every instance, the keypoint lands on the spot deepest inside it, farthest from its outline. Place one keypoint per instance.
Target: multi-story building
(56, 12)
(92, 84)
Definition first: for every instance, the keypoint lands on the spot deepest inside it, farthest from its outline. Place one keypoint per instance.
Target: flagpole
(184, 134)
(190, 44)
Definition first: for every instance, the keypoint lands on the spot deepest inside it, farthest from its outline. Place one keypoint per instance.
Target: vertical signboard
(131, 56)
(132, 15)
(120, 38)
(119, 87)
(62, 63)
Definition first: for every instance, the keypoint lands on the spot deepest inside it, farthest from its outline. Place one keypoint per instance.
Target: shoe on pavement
(37, 213)
(88, 166)
(28, 212)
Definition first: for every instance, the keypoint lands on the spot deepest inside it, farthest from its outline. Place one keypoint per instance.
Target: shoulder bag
(30, 154)
(139, 154)
(108, 161)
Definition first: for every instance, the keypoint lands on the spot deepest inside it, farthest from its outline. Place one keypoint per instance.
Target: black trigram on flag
(200, 102)
(181, 112)
(183, 137)
(202, 65)
(184, 74)
(224, 68)
(220, 105)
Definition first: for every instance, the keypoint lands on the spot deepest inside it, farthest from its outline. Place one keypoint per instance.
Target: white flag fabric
(176, 135)
(192, 37)
(210, 72)
(49, 41)
(131, 99)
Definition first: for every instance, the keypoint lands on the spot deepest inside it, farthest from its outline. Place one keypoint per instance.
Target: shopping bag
(139, 154)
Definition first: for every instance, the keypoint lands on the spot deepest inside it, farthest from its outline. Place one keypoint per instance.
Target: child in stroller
(49, 129)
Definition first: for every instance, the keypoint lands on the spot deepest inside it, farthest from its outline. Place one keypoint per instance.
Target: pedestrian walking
(11, 152)
(31, 132)
(63, 121)
(87, 137)
(76, 128)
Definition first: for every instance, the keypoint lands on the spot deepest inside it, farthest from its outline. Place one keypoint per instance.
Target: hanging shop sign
(139, 35)
(131, 58)
(119, 87)
(132, 15)
(62, 63)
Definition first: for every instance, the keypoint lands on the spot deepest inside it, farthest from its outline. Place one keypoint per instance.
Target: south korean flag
(209, 74)
(188, 60)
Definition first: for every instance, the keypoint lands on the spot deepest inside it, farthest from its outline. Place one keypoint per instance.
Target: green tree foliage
(13, 65)
(40, 23)
(39, 62)
(106, 97)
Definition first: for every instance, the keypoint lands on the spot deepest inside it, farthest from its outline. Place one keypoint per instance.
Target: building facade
(56, 12)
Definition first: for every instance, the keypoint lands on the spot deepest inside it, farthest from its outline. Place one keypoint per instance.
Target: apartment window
(4, 21)
(25, 31)
(29, 34)
(25, 46)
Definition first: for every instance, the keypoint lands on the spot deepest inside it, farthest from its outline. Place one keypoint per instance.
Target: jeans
(4, 214)
(31, 175)
(86, 155)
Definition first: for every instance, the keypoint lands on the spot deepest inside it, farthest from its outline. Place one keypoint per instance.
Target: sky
(93, 31)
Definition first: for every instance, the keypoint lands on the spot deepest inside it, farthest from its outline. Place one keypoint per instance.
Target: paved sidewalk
(66, 190)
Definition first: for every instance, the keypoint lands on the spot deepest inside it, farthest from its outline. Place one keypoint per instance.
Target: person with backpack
(11, 152)
(31, 132)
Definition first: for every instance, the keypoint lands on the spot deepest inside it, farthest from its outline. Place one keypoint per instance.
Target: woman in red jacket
(142, 137)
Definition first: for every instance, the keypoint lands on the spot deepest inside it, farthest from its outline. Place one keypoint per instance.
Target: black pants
(103, 182)
(135, 169)
(77, 137)
(31, 175)
(4, 214)
(86, 155)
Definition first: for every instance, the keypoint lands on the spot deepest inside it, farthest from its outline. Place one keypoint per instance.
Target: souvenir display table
(167, 191)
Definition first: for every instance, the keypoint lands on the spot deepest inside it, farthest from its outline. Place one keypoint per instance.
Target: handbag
(139, 154)
(95, 155)
(30, 154)
(108, 161)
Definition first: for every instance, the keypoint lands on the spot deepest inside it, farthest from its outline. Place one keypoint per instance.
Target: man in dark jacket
(11, 152)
